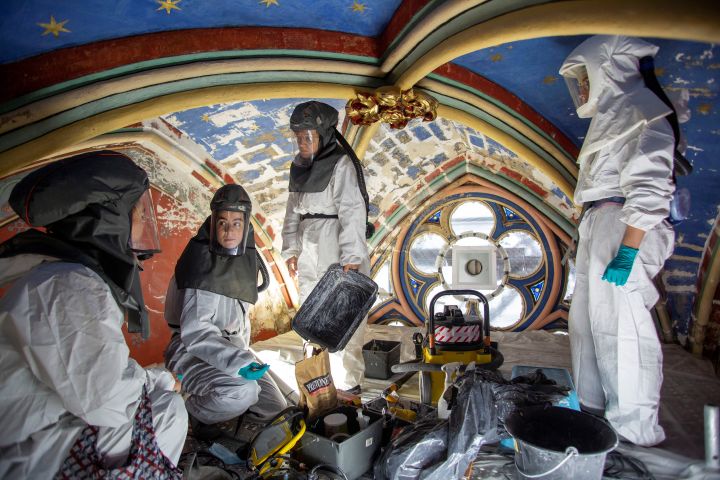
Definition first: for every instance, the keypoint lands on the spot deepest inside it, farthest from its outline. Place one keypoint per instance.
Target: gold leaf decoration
(392, 106)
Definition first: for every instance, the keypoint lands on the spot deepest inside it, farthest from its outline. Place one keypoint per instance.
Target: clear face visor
(144, 239)
(307, 144)
(229, 232)
(578, 85)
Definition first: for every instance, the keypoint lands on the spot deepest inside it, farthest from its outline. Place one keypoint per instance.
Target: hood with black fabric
(323, 118)
(86, 203)
(231, 276)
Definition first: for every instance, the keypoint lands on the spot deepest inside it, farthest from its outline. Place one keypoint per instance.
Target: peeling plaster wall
(252, 140)
(397, 161)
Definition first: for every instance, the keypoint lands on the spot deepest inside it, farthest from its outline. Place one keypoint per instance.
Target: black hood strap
(369, 228)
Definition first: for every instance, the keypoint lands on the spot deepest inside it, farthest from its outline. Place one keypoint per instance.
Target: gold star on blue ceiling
(168, 5)
(54, 27)
(358, 7)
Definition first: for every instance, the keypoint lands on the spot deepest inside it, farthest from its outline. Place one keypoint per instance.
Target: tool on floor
(268, 450)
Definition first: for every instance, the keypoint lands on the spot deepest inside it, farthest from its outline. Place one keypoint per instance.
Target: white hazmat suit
(210, 345)
(319, 242)
(627, 154)
(64, 364)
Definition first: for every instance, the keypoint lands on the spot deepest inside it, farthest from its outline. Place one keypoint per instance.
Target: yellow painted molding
(362, 139)
(41, 109)
(511, 143)
(513, 122)
(705, 303)
(18, 157)
(440, 15)
(696, 21)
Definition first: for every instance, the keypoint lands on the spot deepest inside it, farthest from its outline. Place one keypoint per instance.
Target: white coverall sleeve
(290, 241)
(203, 339)
(351, 213)
(70, 335)
(646, 177)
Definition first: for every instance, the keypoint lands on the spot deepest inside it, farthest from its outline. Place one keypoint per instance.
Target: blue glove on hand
(254, 371)
(618, 270)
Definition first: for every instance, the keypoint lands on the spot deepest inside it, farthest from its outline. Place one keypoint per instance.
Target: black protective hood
(323, 118)
(316, 177)
(86, 202)
(231, 276)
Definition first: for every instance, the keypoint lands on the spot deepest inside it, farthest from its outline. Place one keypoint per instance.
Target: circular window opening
(472, 217)
(507, 308)
(424, 250)
(524, 252)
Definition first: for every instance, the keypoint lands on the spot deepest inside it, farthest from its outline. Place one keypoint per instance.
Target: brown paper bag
(317, 390)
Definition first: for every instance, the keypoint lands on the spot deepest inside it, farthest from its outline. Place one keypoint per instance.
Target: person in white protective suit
(325, 218)
(71, 399)
(625, 185)
(207, 306)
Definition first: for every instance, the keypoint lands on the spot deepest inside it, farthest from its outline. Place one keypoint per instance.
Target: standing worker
(72, 402)
(326, 218)
(625, 185)
(207, 306)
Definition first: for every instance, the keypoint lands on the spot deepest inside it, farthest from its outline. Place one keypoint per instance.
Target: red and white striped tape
(465, 334)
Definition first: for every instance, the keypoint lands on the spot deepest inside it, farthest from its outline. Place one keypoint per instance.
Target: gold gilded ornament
(363, 109)
(391, 105)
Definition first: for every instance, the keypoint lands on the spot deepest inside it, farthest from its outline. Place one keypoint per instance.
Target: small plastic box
(379, 356)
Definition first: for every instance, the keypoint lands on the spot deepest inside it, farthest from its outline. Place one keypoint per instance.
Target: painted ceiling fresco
(31, 27)
(203, 75)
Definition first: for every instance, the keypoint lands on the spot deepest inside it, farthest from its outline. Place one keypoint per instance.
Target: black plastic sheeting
(417, 447)
(481, 400)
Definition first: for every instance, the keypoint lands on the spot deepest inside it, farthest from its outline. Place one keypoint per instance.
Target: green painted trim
(499, 124)
(442, 178)
(125, 130)
(140, 67)
(35, 130)
(465, 20)
(419, 16)
(502, 106)
(212, 172)
(401, 208)
(379, 234)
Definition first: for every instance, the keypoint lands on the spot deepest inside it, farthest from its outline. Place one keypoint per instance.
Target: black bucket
(555, 443)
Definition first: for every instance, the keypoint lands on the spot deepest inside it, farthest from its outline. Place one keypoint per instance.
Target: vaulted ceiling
(214, 83)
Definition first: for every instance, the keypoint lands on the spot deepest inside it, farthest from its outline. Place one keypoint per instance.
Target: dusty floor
(689, 384)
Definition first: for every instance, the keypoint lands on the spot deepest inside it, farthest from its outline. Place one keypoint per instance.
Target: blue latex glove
(254, 371)
(618, 270)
